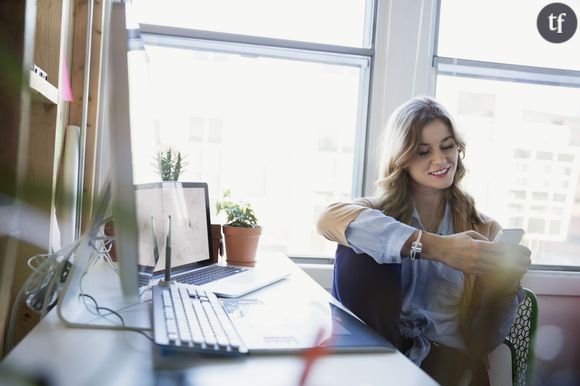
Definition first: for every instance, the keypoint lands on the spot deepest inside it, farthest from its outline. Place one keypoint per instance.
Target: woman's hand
(497, 264)
(513, 264)
(465, 252)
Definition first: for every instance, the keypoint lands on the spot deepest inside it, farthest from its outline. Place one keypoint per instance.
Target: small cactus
(169, 164)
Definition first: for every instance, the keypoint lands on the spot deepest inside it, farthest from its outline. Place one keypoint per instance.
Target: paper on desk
(303, 320)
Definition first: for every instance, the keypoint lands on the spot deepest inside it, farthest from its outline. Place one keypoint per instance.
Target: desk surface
(70, 356)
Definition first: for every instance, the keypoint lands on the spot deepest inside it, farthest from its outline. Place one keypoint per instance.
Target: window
(518, 110)
(277, 118)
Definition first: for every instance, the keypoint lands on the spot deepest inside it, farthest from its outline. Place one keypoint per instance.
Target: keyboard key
(172, 337)
(167, 299)
(171, 326)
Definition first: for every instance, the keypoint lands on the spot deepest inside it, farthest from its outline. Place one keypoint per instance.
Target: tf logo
(557, 22)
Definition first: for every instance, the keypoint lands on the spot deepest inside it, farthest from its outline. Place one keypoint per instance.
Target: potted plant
(169, 164)
(241, 231)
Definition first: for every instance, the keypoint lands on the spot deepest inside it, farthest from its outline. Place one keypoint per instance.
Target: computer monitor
(117, 191)
(115, 121)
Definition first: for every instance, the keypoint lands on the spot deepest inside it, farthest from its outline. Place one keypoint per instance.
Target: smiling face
(434, 165)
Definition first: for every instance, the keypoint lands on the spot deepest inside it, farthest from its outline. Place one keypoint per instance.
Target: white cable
(71, 324)
(35, 267)
(58, 275)
(38, 276)
(105, 248)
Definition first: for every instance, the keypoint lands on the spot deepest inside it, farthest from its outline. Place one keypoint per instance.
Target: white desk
(78, 357)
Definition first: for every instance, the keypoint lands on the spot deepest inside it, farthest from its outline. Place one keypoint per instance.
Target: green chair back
(521, 338)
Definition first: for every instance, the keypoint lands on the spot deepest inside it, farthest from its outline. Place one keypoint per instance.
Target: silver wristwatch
(416, 247)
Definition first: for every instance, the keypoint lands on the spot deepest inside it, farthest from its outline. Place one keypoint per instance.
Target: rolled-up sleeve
(377, 235)
(334, 220)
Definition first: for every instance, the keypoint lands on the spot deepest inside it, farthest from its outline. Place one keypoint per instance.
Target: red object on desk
(311, 355)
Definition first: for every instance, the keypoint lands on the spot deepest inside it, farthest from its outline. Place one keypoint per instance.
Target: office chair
(521, 338)
(372, 291)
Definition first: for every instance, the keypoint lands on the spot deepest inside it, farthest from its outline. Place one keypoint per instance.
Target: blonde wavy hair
(401, 141)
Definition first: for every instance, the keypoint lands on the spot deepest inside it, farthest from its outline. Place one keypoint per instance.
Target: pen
(311, 355)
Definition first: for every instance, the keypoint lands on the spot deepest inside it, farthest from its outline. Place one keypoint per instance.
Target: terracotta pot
(241, 245)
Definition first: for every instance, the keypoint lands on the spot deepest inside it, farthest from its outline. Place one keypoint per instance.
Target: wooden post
(79, 68)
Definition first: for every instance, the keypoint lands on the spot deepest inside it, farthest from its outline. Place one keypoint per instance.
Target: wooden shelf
(41, 90)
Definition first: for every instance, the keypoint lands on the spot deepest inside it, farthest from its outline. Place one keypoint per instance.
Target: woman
(459, 292)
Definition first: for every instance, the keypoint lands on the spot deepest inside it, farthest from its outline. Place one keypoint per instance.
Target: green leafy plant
(239, 214)
(169, 164)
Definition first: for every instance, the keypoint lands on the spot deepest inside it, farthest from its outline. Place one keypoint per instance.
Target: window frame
(403, 62)
(462, 67)
(362, 58)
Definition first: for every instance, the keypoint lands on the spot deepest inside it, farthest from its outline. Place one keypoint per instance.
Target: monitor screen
(188, 205)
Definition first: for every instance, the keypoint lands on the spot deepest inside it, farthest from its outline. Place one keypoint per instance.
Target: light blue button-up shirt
(431, 290)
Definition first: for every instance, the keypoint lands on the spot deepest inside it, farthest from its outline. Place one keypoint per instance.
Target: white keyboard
(188, 318)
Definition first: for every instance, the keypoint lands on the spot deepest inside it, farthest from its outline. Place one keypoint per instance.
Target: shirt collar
(445, 226)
